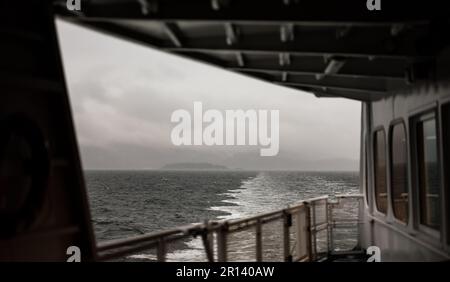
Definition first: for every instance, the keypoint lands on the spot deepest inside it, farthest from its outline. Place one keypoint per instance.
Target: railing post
(208, 242)
(258, 241)
(287, 222)
(327, 214)
(313, 229)
(308, 228)
(161, 250)
(358, 225)
(330, 228)
(222, 235)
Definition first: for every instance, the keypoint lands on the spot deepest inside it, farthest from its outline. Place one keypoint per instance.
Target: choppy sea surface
(126, 203)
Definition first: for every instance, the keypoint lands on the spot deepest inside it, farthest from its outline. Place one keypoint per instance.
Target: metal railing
(345, 222)
(305, 231)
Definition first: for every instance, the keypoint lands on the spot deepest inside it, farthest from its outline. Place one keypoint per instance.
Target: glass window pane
(380, 171)
(429, 181)
(399, 176)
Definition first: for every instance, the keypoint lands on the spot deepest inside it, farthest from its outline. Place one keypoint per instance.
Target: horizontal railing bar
(125, 252)
(273, 216)
(185, 230)
(253, 224)
(345, 225)
(344, 220)
(357, 252)
(131, 249)
(295, 209)
(302, 259)
(253, 218)
(260, 216)
(320, 198)
(349, 196)
(319, 227)
(338, 225)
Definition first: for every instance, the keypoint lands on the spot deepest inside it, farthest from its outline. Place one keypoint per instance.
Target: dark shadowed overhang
(330, 48)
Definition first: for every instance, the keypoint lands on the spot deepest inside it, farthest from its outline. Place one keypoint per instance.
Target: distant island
(193, 166)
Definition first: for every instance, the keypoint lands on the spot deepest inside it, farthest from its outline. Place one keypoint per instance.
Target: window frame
(374, 153)
(393, 124)
(445, 129)
(415, 120)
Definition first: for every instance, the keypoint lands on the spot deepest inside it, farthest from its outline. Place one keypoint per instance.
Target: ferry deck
(396, 64)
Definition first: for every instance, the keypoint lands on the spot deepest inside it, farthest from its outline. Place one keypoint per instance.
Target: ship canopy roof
(329, 48)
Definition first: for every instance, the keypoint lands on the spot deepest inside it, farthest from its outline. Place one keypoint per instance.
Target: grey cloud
(123, 95)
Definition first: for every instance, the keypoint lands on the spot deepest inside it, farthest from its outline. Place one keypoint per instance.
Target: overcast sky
(123, 95)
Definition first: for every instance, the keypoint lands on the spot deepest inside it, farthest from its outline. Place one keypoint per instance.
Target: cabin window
(428, 173)
(399, 172)
(380, 170)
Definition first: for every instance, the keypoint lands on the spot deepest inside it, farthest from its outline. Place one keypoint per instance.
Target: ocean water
(126, 203)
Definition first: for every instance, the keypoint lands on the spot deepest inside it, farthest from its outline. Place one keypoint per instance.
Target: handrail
(315, 199)
(115, 243)
(275, 214)
(158, 240)
(343, 196)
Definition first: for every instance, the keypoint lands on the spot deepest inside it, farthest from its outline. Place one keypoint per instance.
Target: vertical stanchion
(358, 220)
(313, 229)
(208, 242)
(330, 228)
(161, 251)
(222, 243)
(327, 213)
(258, 241)
(308, 229)
(287, 222)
